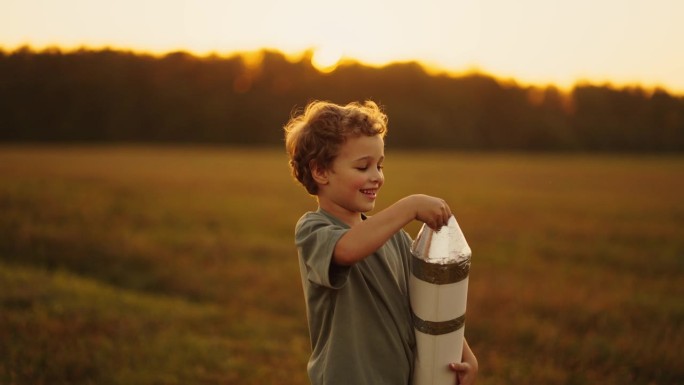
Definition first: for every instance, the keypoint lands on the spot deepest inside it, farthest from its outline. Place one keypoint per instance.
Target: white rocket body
(438, 290)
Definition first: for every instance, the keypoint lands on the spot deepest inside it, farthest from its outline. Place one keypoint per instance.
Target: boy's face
(351, 184)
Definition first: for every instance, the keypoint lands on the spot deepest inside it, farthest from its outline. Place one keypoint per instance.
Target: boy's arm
(365, 238)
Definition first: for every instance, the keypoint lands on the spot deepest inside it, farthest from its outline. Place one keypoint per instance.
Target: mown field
(160, 265)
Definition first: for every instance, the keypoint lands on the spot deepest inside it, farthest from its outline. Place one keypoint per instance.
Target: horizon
(253, 58)
(531, 41)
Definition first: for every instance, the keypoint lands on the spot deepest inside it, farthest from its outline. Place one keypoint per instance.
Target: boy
(355, 268)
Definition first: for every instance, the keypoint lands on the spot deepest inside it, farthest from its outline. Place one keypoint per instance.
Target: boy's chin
(367, 208)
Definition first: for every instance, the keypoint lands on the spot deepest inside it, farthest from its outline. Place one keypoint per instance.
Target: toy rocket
(438, 289)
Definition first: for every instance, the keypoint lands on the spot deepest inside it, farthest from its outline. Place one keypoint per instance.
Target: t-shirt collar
(336, 219)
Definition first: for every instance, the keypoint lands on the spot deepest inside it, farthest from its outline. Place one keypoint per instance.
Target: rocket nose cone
(444, 246)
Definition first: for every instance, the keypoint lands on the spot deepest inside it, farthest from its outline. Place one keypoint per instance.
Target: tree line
(112, 95)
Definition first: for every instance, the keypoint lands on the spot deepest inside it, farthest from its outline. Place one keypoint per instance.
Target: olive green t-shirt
(359, 316)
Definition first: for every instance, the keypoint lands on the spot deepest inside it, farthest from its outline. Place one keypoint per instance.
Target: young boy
(354, 268)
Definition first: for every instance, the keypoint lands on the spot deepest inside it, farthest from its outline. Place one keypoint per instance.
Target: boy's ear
(319, 174)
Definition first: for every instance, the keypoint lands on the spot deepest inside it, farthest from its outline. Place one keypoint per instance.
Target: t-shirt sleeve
(316, 238)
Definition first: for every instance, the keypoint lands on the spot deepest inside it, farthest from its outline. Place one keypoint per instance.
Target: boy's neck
(349, 218)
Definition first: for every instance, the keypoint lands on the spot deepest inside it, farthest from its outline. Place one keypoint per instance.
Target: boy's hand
(465, 373)
(434, 212)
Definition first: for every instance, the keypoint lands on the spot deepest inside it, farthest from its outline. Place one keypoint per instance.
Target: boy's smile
(370, 193)
(350, 187)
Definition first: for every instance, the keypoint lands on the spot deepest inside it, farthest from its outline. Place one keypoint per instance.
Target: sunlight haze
(623, 42)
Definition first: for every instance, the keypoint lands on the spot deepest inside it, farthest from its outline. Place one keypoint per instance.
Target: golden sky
(531, 41)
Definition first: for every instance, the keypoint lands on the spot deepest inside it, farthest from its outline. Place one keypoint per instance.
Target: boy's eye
(364, 168)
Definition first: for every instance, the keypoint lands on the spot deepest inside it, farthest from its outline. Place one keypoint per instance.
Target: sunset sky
(531, 41)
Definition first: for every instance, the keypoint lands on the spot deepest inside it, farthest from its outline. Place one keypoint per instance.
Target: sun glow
(527, 40)
(326, 59)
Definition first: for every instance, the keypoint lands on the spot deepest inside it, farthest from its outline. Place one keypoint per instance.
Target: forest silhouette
(110, 95)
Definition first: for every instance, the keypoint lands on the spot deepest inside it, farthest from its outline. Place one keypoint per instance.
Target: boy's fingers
(458, 367)
(446, 213)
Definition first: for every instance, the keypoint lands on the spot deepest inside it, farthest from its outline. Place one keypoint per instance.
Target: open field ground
(159, 265)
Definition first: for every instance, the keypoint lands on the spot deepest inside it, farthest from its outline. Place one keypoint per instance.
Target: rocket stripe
(438, 328)
(440, 274)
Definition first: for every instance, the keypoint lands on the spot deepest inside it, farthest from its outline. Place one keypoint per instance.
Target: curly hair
(314, 137)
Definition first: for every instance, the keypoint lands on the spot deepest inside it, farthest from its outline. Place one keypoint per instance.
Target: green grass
(160, 265)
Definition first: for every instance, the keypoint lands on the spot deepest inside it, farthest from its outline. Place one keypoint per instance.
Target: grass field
(159, 265)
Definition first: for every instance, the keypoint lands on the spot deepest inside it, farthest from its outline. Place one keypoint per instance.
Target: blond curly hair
(314, 137)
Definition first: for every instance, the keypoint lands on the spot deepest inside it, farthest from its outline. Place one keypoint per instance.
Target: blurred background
(147, 210)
